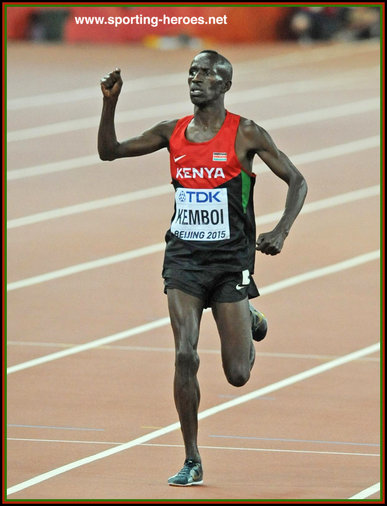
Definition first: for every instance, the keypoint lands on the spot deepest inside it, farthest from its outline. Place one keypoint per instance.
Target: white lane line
(140, 84)
(318, 205)
(309, 157)
(291, 380)
(168, 110)
(271, 439)
(235, 448)
(94, 264)
(367, 105)
(285, 283)
(367, 492)
(87, 161)
(154, 349)
(92, 205)
(288, 440)
(323, 271)
(167, 80)
(48, 168)
(34, 440)
(151, 82)
(53, 427)
(277, 450)
(156, 248)
(333, 151)
(90, 345)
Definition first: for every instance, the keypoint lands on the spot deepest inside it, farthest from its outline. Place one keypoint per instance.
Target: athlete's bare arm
(254, 140)
(149, 141)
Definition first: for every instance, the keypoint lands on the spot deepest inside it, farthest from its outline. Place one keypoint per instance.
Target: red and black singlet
(213, 225)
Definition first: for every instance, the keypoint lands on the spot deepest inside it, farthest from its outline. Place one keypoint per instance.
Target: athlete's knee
(187, 359)
(237, 376)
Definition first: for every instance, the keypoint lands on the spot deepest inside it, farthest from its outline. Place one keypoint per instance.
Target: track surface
(81, 268)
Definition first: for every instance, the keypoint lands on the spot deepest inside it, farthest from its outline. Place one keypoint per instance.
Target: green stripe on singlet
(246, 184)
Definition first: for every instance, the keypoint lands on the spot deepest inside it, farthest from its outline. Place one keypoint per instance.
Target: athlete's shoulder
(167, 124)
(165, 128)
(248, 126)
(249, 130)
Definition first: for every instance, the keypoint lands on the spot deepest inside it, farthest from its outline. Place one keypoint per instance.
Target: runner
(210, 245)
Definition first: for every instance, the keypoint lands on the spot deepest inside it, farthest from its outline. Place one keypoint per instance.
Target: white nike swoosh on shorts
(240, 287)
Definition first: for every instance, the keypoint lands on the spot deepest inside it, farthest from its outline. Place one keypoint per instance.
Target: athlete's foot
(258, 324)
(190, 474)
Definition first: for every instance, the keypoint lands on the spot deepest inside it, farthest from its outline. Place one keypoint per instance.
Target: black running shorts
(211, 286)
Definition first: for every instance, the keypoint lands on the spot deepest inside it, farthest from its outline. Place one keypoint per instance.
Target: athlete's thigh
(234, 327)
(185, 312)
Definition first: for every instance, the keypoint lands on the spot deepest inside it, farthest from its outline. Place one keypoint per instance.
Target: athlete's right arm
(149, 141)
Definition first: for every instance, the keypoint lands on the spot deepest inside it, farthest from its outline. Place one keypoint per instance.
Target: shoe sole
(186, 484)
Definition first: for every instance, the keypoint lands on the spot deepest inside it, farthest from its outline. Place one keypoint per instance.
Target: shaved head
(220, 61)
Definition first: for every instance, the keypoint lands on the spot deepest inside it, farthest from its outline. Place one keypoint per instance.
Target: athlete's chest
(199, 166)
(204, 158)
(197, 135)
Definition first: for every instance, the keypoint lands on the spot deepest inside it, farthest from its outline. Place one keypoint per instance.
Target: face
(205, 80)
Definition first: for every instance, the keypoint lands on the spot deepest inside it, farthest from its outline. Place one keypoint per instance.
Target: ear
(226, 86)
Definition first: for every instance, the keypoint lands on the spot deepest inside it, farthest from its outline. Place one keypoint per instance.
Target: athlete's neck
(209, 117)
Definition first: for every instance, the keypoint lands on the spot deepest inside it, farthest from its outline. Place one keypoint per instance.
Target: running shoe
(258, 325)
(190, 474)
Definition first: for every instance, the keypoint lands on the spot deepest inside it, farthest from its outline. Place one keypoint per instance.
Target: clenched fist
(111, 84)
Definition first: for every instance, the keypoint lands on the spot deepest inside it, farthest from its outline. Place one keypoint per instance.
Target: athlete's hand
(270, 243)
(111, 84)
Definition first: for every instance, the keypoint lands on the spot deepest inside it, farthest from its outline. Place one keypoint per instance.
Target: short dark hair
(221, 61)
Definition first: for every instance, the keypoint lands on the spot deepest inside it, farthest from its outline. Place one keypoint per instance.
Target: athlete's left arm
(258, 141)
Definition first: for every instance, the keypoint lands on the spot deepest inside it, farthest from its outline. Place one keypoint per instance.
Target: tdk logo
(199, 197)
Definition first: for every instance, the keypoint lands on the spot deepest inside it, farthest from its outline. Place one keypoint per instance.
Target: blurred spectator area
(244, 24)
(311, 23)
(36, 23)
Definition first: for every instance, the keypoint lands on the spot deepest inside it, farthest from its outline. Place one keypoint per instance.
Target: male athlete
(211, 242)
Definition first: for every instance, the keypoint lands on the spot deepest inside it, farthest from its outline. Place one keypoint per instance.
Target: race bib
(201, 215)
